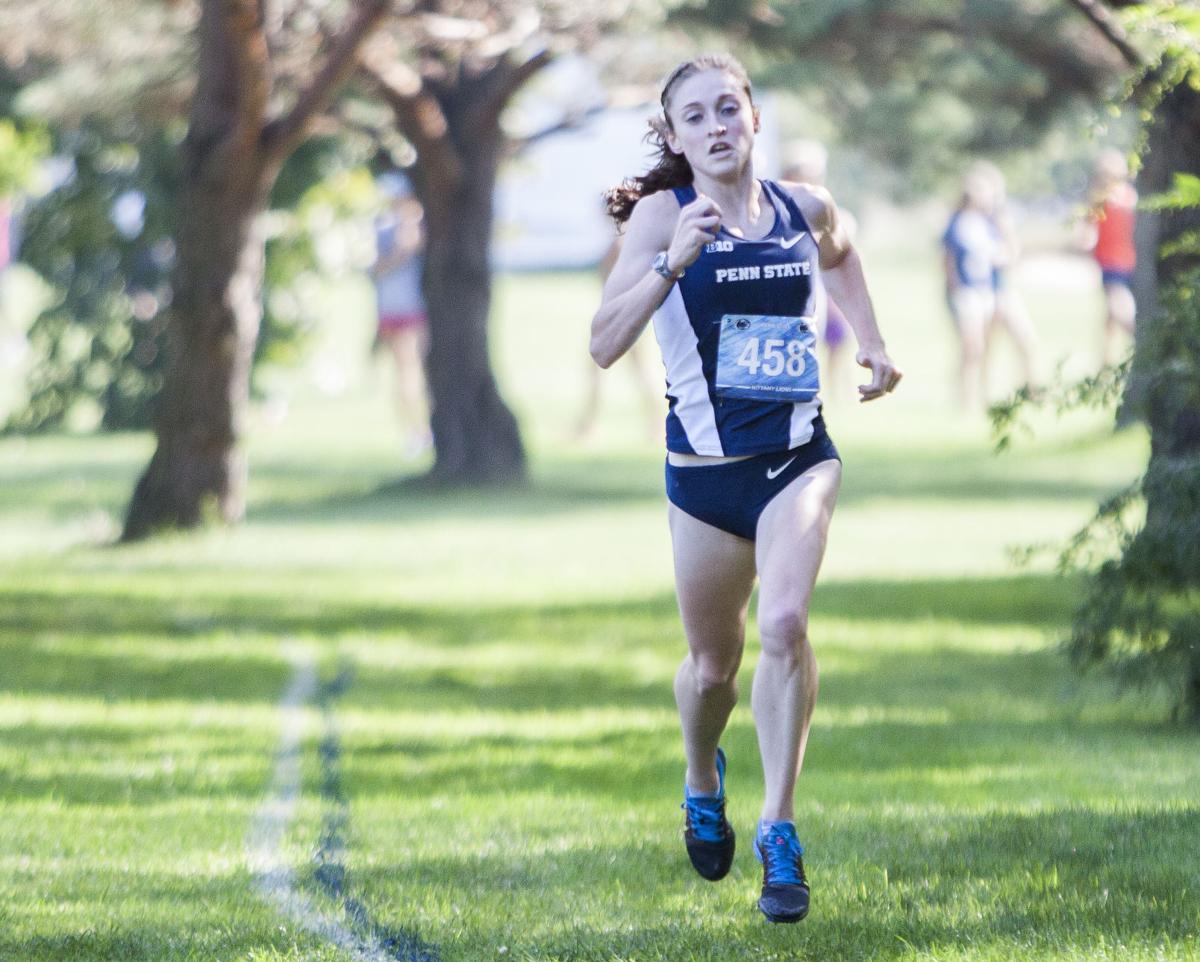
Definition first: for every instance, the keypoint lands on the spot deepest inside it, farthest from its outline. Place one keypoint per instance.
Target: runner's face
(712, 123)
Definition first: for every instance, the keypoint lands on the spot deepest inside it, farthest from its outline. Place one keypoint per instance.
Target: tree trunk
(1191, 700)
(198, 471)
(476, 438)
(231, 156)
(1173, 146)
(1165, 382)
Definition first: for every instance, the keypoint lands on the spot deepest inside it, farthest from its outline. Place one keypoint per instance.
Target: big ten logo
(719, 247)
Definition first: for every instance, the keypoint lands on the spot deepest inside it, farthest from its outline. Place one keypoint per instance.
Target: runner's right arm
(634, 291)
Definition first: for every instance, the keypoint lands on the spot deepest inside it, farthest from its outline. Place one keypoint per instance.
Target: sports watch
(661, 268)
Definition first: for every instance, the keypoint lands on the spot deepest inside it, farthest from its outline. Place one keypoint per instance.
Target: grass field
(377, 725)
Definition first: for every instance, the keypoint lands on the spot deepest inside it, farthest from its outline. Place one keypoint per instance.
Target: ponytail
(670, 170)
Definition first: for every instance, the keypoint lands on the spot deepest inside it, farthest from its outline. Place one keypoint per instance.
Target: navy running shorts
(732, 496)
(1113, 276)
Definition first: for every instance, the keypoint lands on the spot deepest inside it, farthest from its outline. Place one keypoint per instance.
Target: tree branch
(492, 88)
(517, 76)
(418, 115)
(1110, 27)
(234, 83)
(1067, 63)
(573, 121)
(283, 134)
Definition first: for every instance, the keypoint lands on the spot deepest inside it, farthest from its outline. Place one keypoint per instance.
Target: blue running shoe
(785, 888)
(708, 836)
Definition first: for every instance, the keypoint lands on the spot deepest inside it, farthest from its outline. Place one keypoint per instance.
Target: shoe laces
(782, 857)
(706, 817)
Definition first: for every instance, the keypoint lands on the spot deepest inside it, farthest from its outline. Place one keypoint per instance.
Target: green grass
(492, 767)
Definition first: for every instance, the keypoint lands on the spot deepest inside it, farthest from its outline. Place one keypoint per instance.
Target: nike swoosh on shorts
(773, 473)
(792, 241)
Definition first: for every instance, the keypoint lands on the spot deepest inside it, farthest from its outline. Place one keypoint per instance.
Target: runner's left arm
(841, 269)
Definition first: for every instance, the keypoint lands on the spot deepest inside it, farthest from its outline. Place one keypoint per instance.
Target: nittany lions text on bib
(744, 388)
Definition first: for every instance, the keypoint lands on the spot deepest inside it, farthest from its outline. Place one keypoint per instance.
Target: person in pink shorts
(402, 322)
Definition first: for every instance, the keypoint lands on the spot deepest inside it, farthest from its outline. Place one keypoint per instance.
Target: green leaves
(1184, 192)
(21, 148)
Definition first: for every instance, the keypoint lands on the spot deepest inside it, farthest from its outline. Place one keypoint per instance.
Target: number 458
(776, 357)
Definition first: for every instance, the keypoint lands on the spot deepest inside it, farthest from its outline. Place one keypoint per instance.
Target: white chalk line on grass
(274, 877)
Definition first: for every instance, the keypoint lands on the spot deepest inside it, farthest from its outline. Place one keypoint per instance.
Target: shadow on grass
(63, 493)
(613, 483)
(562, 486)
(102, 765)
(602, 482)
(54, 642)
(1002, 723)
(330, 491)
(1037, 600)
(617, 657)
(973, 475)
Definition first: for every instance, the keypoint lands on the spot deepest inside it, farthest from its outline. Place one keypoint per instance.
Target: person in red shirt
(1114, 205)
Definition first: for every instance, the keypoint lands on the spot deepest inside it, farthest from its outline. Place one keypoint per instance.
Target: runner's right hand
(697, 226)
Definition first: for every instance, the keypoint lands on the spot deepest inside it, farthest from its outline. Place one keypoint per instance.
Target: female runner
(733, 271)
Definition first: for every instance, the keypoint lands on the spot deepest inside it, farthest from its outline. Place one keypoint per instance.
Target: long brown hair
(670, 169)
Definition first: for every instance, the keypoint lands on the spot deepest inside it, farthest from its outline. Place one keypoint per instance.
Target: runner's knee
(784, 630)
(715, 671)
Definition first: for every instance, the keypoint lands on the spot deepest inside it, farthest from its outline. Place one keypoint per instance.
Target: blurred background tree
(262, 78)
(103, 239)
(1141, 614)
(102, 232)
(234, 87)
(919, 85)
(447, 81)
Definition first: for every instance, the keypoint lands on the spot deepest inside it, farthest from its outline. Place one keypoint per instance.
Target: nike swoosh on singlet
(773, 473)
(792, 241)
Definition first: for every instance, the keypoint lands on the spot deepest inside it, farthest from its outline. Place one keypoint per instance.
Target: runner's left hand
(884, 374)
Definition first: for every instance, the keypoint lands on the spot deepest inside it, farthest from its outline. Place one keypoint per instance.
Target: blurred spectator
(973, 251)
(1113, 206)
(807, 163)
(1010, 311)
(402, 324)
(640, 366)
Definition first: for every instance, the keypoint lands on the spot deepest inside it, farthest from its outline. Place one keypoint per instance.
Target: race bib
(765, 358)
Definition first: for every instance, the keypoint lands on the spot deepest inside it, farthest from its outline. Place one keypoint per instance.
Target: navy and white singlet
(775, 277)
